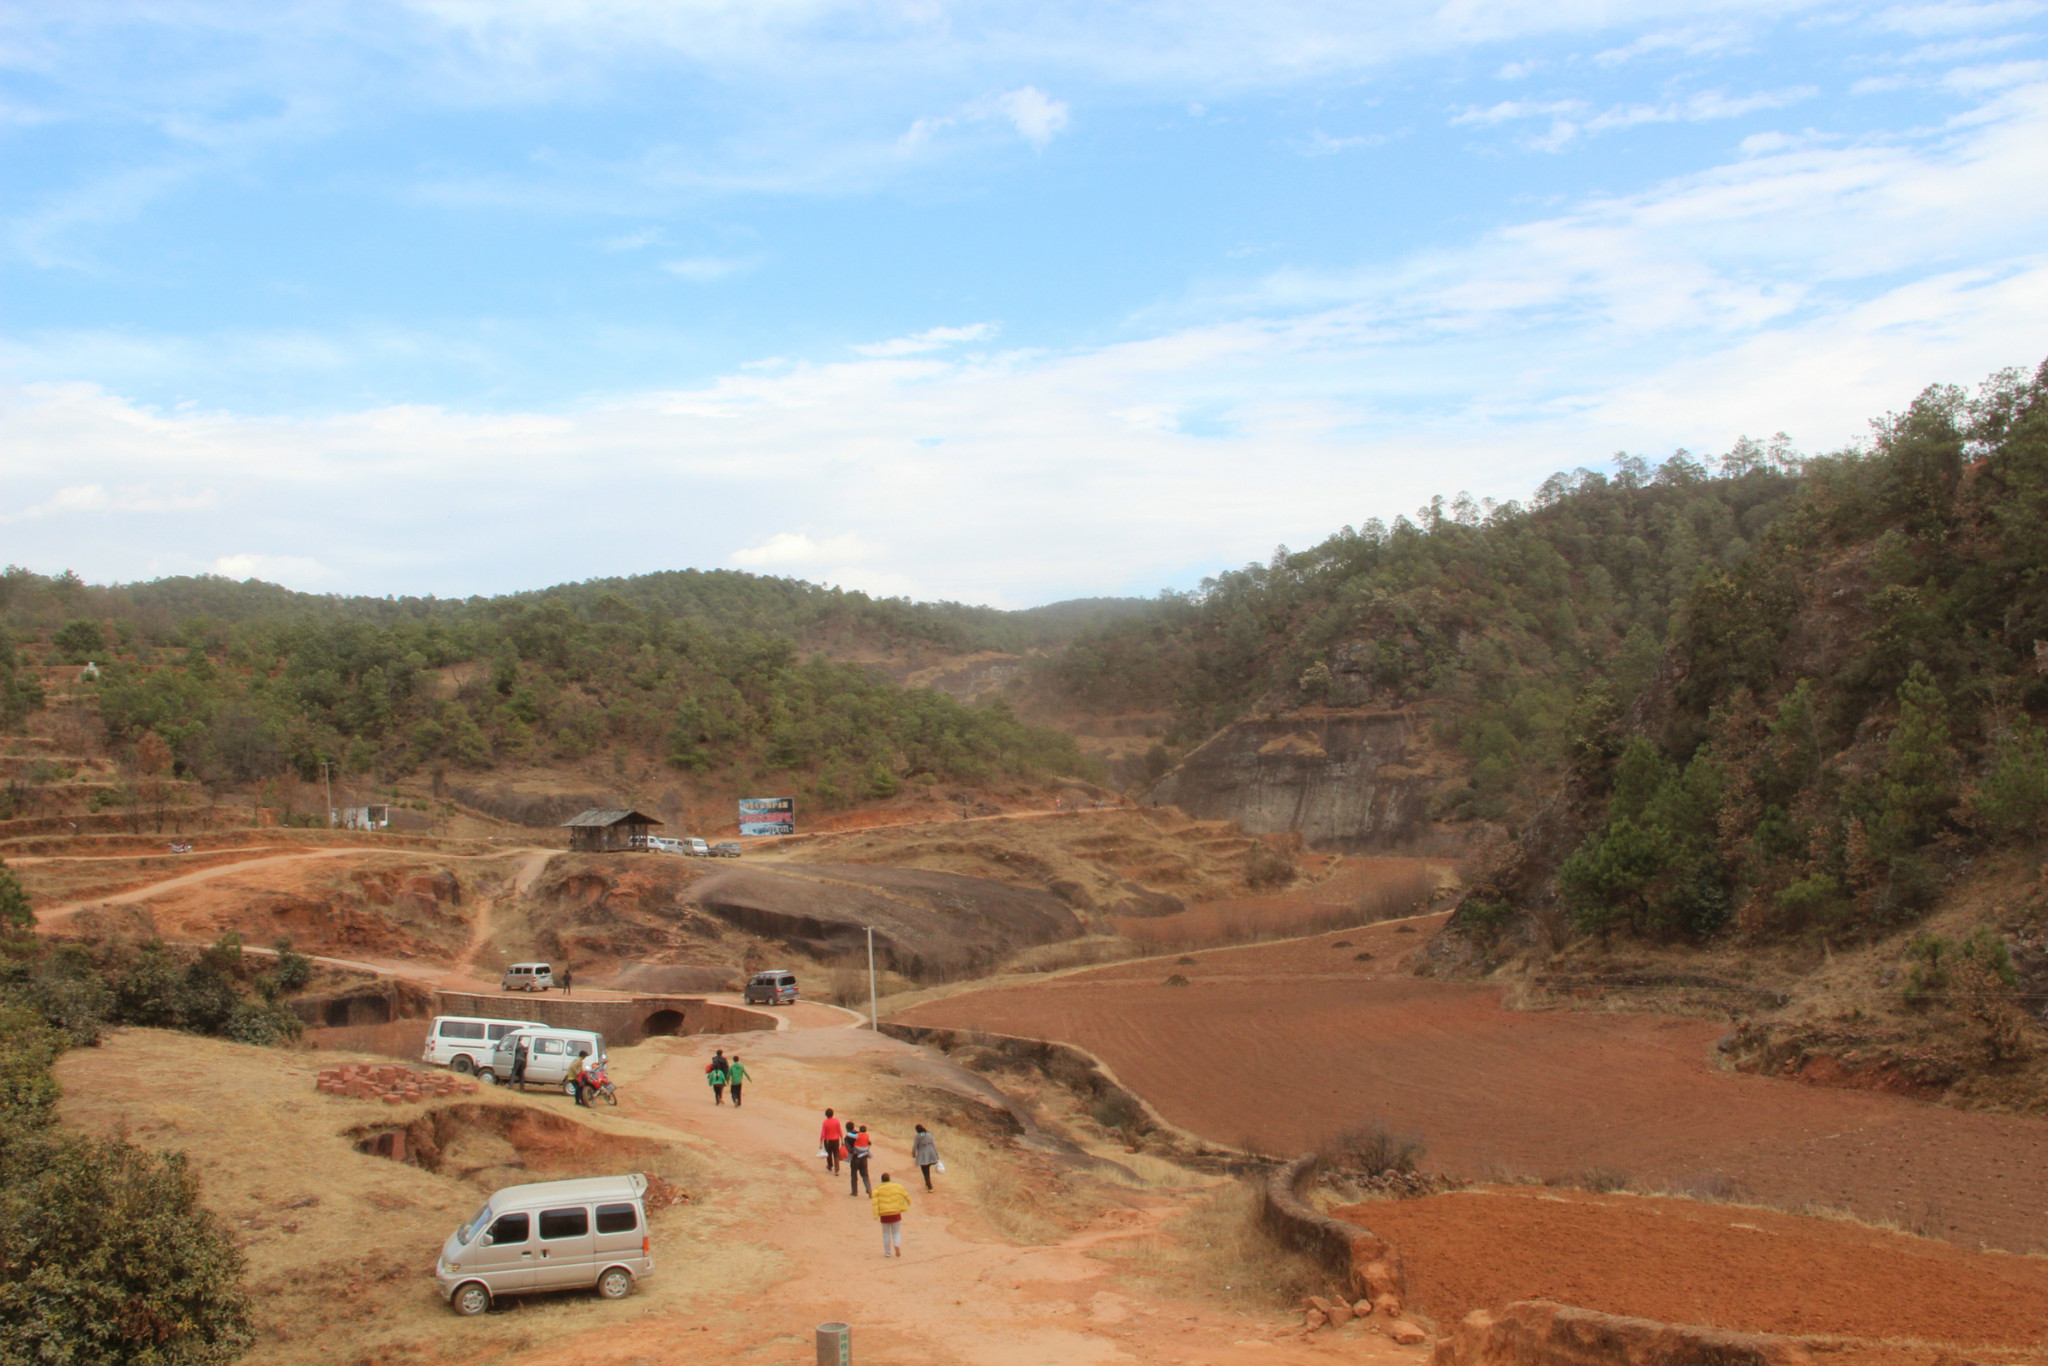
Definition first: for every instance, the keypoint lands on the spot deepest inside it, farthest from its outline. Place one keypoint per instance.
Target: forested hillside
(1514, 625)
(719, 670)
(1848, 717)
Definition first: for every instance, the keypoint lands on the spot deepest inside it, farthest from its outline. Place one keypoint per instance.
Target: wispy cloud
(1791, 288)
(931, 339)
(1033, 113)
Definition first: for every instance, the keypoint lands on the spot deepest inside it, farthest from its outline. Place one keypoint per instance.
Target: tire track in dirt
(1277, 1047)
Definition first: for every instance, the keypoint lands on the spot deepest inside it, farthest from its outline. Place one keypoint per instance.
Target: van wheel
(470, 1299)
(615, 1284)
(569, 1089)
(486, 1076)
(463, 1064)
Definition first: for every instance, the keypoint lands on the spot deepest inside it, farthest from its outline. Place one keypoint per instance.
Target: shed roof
(610, 815)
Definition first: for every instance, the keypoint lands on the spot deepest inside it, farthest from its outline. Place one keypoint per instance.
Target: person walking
(735, 1077)
(716, 1076)
(859, 1149)
(890, 1201)
(924, 1151)
(828, 1139)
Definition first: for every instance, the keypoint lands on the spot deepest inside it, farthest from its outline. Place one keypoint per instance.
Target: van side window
(498, 1032)
(461, 1029)
(510, 1229)
(564, 1223)
(547, 1045)
(616, 1219)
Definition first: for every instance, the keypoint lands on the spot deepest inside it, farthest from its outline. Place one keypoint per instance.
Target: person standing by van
(924, 1151)
(828, 1139)
(580, 1081)
(735, 1077)
(891, 1201)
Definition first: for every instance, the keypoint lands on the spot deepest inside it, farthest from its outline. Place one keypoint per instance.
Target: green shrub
(106, 1256)
(2014, 795)
(80, 641)
(15, 912)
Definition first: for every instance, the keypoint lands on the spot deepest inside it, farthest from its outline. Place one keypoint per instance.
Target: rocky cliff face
(1346, 780)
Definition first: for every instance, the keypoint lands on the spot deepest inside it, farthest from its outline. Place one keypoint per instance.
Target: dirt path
(959, 1296)
(1280, 1046)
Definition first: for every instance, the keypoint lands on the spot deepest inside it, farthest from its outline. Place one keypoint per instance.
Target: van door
(548, 1060)
(619, 1235)
(509, 1264)
(568, 1249)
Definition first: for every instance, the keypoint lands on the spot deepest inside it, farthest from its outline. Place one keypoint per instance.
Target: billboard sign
(767, 816)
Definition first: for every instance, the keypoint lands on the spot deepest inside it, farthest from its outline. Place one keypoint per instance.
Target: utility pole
(872, 1024)
(327, 788)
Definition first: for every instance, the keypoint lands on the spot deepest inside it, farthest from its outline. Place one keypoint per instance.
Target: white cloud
(931, 339)
(1571, 117)
(1034, 114)
(86, 499)
(291, 570)
(788, 551)
(1926, 20)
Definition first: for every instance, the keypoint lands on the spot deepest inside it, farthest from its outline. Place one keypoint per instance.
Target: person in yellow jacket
(891, 1200)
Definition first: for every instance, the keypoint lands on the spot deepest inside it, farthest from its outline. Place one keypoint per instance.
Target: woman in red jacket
(828, 1139)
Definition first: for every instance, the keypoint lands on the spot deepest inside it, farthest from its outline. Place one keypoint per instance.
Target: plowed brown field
(1280, 1045)
(1747, 1269)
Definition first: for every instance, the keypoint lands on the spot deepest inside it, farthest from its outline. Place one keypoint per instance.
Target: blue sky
(996, 302)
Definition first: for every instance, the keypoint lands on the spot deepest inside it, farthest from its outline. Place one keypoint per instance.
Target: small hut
(604, 829)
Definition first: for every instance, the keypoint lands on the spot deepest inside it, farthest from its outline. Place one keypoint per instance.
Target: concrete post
(835, 1344)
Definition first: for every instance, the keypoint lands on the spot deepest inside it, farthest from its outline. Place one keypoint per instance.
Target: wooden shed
(604, 829)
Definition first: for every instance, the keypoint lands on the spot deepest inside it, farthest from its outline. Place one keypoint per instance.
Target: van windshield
(469, 1231)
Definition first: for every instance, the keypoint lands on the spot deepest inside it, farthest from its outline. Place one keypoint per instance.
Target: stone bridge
(621, 1019)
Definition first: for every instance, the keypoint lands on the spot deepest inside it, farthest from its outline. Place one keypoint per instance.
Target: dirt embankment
(1279, 1046)
(1720, 1266)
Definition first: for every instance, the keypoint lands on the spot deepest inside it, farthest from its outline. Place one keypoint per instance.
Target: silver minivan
(551, 1055)
(527, 977)
(552, 1235)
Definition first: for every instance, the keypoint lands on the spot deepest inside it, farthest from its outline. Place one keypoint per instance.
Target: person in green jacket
(715, 1074)
(735, 1077)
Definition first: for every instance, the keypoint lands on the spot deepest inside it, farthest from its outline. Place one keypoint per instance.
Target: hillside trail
(960, 1294)
(480, 931)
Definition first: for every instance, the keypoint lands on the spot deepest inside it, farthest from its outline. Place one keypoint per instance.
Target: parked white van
(465, 1041)
(552, 1235)
(527, 977)
(550, 1056)
(687, 845)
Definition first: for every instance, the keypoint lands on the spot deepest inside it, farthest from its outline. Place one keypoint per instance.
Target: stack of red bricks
(394, 1085)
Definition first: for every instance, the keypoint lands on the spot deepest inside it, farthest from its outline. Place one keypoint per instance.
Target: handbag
(938, 1166)
(822, 1153)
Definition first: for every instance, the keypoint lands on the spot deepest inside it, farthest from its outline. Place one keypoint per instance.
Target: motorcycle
(600, 1084)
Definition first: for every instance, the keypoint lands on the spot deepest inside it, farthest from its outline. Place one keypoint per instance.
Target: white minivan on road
(551, 1235)
(466, 1042)
(550, 1056)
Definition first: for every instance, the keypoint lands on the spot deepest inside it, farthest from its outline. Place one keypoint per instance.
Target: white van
(552, 1235)
(465, 1041)
(527, 977)
(687, 845)
(550, 1056)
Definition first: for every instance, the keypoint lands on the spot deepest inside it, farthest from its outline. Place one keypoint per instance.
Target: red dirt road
(1743, 1268)
(1281, 1045)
